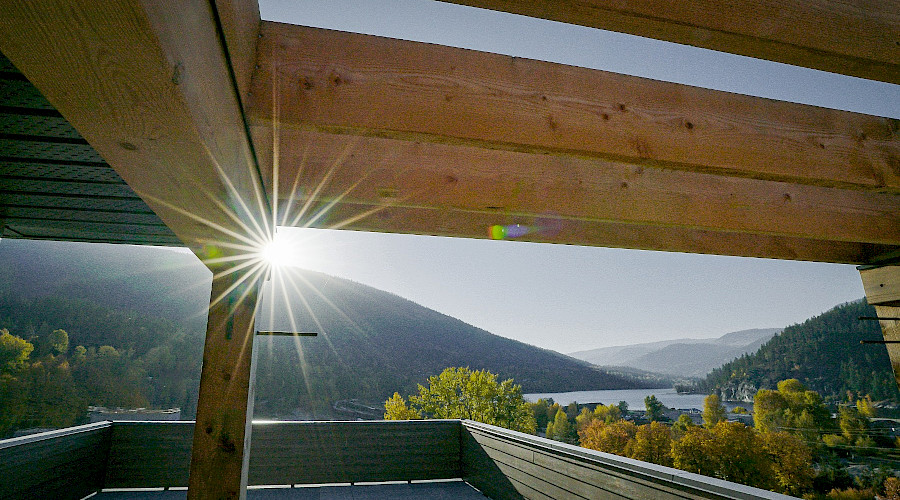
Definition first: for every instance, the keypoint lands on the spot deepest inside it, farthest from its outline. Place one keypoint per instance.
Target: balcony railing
(73, 463)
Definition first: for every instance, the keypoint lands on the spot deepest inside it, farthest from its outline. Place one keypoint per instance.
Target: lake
(634, 398)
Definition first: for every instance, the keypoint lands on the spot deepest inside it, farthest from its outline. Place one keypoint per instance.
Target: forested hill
(823, 352)
(373, 343)
(144, 302)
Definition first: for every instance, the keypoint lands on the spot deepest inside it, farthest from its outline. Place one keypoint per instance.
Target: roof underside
(223, 124)
(54, 185)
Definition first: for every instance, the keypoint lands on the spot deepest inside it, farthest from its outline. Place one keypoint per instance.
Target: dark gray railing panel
(338, 452)
(149, 454)
(510, 465)
(64, 464)
(154, 454)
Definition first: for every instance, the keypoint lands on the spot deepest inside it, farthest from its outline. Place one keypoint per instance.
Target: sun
(290, 248)
(278, 253)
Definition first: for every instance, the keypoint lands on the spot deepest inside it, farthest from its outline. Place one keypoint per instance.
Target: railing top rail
(68, 431)
(294, 422)
(632, 466)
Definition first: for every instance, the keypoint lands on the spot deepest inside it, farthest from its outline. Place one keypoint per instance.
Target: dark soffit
(54, 185)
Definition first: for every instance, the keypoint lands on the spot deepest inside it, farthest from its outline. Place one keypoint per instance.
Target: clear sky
(572, 298)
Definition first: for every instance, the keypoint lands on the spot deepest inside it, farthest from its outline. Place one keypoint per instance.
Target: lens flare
(279, 252)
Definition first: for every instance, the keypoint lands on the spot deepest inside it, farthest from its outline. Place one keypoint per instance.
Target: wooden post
(221, 446)
(882, 285)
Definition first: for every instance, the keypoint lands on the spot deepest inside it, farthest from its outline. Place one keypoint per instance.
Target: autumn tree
(693, 452)
(653, 443)
(729, 451)
(791, 462)
(791, 408)
(616, 438)
(395, 408)
(713, 411)
(476, 395)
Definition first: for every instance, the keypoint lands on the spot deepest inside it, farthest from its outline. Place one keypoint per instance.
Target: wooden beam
(149, 86)
(468, 179)
(240, 21)
(882, 286)
(364, 85)
(851, 38)
(220, 455)
(391, 185)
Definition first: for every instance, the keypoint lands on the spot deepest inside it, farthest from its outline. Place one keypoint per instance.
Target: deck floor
(451, 490)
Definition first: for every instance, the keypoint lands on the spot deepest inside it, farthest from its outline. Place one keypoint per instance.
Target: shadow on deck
(80, 461)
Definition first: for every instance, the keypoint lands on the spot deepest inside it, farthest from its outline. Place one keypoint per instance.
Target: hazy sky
(572, 298)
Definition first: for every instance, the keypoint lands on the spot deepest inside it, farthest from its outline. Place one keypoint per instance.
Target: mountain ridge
(371, 342)
(686, 357)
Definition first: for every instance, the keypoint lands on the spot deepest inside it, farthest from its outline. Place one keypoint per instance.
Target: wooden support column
(882, 285)
(221, 449)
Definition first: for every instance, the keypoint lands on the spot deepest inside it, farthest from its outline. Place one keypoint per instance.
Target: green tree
(680, 427)
(58, 341)
(713, 411)
(654, 408)
(14, 352)
(395, 408)
(560, 429)
(475, 395)
(608, 414)
(653, 443)
(584, 418)
(539, 411)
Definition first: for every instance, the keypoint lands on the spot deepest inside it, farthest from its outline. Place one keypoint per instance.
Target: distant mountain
(680, 357)
(370, 344)
(823, 352)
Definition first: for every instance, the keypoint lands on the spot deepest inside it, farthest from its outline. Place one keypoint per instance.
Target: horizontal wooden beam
(364, 85)
(390, 185)
(851, 38)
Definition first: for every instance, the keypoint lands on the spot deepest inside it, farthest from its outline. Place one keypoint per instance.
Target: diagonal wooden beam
(852, 38)
(374, 125)
(150, 85)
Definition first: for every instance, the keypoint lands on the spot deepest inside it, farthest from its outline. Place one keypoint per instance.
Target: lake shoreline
(668, 396)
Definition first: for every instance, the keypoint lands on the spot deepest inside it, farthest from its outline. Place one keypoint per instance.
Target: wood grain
(147, 86)
(882, 285)
(857, 38)
(427, 188)
(370, 86)
(221, 442)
